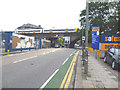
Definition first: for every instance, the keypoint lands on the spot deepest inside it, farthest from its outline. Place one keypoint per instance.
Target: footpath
(98, 76)
(19, 51)
(14, 52)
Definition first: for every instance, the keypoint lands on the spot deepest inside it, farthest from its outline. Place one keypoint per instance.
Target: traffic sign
(95, 37)
(67, 40)
(83, 38)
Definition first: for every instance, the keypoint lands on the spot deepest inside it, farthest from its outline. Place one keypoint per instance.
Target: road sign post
(86, 41)
(95, 37)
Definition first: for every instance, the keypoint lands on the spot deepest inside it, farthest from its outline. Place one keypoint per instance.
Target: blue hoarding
(108, 41)
(95, 37)
(110, 38)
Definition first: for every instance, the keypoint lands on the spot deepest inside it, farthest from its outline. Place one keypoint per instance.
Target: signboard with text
(66, 40)
(95, 37)
(108, 41)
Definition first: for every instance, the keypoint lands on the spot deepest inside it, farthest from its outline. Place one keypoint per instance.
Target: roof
(30, 26)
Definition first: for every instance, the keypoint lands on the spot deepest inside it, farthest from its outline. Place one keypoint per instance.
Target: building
(29, 28)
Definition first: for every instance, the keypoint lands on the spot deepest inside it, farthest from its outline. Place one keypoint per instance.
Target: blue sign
(95, 37)
(110, 38)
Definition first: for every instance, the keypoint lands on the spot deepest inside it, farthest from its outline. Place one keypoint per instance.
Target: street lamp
(86, 41)
(86, 34)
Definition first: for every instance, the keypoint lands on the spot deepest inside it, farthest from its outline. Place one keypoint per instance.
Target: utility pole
(86, 34)
(86, 41)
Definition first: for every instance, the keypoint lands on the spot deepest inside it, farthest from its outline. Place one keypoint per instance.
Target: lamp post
(86, 33)
(86, 41)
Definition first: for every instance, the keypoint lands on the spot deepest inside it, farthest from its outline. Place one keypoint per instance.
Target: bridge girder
(74, 36)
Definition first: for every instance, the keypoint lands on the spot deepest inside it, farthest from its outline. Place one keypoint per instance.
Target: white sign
(67, 40)
(83, 37)
(44, 39)
(10, 41)
(97, 32)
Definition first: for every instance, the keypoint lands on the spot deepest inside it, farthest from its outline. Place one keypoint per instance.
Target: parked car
(112, 57)
(62, 45)
(57, 45)
(76, 45)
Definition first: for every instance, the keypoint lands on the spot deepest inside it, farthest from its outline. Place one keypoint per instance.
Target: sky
(57, 14)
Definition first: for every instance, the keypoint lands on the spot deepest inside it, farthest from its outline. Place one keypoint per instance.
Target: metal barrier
(97, 53)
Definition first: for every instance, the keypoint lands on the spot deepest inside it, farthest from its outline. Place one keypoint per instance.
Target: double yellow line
(66, 81)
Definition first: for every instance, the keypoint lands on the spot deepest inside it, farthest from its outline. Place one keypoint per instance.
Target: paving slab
(98, 75)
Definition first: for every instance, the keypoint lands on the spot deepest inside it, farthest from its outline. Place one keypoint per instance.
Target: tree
(103, 14)
(59, 41)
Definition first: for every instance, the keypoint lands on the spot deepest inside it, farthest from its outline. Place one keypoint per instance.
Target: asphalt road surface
(32, 69)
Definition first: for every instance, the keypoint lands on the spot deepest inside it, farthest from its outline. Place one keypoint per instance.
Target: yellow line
(74, 59)
(70, 75)
(65, 77)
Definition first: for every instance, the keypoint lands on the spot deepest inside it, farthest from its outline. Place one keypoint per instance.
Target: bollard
(95, 53)
(8, 52)
(100, 54)
(21, 49)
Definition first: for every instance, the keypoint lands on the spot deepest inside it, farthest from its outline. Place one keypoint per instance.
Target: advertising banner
(95, 37)
(22, 41)
(108, 41)
(14, 42)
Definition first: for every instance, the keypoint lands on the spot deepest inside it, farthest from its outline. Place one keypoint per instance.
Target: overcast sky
(60, 14)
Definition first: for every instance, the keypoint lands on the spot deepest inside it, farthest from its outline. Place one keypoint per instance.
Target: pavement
(3, 53)
(99, 77)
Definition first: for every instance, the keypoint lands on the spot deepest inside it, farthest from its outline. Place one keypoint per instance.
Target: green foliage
(78, 42)
(59, 41)
(103, 14)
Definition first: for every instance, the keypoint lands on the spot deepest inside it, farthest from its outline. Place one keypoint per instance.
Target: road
(32, 69)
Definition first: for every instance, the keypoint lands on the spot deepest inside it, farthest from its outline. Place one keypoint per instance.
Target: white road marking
(113, 77)
(11, 55)
(48, 52)
(68, 58)
(24, 59)
(44, 53)
(49, 79)
(70, 54)
(65, 61)
(109, 72)
(19, 54)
